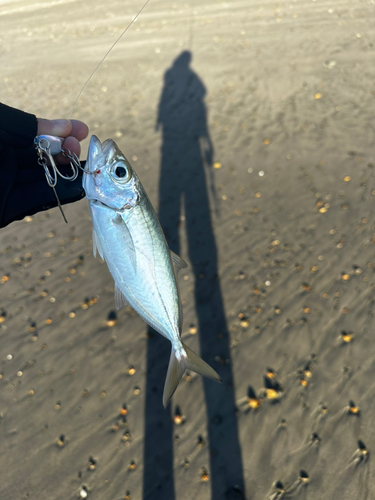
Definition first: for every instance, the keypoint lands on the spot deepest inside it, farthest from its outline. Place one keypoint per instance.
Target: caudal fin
(177, 368)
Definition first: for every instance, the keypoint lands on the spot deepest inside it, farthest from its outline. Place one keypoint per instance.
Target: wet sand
(275, 221)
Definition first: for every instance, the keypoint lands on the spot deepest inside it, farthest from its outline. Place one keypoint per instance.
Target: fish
(128, 236)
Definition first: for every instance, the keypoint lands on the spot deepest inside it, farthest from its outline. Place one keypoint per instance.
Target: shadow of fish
(128, 236)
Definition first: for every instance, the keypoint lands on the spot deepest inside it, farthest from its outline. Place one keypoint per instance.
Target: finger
(63, 128)
(79, 130)
(73, 145)
(72, 130)
(60, 128)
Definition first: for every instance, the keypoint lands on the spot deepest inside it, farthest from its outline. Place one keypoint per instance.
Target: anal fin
(120, 299)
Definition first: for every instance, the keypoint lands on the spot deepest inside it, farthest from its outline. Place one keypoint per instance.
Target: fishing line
(105, 56)
(47, 146)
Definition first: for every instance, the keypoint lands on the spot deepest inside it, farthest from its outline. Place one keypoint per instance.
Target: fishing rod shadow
(183, 198)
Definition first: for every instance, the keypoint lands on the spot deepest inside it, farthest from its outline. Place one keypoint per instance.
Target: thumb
(60, 128)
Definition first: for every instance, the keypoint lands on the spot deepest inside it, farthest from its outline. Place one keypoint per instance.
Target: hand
(24, 189)
(72, 130)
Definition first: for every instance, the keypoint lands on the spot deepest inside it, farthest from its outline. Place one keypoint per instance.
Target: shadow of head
(183, 60)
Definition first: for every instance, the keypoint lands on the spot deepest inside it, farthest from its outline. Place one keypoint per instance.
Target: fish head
(110, 178)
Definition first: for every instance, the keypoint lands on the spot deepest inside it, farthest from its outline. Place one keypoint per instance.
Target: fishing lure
(47, 146)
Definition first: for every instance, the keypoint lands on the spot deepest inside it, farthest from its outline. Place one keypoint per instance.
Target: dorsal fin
(178, 263)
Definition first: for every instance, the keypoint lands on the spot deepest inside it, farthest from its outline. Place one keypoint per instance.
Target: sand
(275, 219)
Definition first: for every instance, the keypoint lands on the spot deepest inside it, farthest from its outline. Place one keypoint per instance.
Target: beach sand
(276, 223)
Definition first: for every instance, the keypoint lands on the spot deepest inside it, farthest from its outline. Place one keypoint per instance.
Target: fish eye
(120, 173)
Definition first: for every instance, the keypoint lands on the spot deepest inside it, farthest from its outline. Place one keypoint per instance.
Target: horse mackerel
(128, 236)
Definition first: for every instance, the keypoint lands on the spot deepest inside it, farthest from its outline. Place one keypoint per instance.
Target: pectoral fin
(129, 243)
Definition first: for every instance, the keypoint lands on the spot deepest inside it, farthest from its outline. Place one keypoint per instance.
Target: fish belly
(138, 258)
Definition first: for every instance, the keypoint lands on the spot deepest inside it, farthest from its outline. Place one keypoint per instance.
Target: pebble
(83, 492)
(178, 418)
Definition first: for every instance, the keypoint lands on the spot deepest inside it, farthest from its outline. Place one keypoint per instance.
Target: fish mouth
(95, 147)
(98, 150)
(93, 157)
(107, 150)
(102, 153)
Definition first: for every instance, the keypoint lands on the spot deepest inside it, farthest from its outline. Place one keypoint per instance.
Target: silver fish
(128, 236)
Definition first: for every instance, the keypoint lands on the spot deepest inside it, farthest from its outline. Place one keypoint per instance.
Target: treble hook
(47, 146)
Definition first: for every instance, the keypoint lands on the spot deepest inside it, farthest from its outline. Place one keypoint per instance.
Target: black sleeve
(23, 186)
(17, 128)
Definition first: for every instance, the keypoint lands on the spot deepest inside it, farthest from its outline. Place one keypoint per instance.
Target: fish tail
(177, 368)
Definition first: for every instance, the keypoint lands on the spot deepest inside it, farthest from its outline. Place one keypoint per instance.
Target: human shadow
(186, 147)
